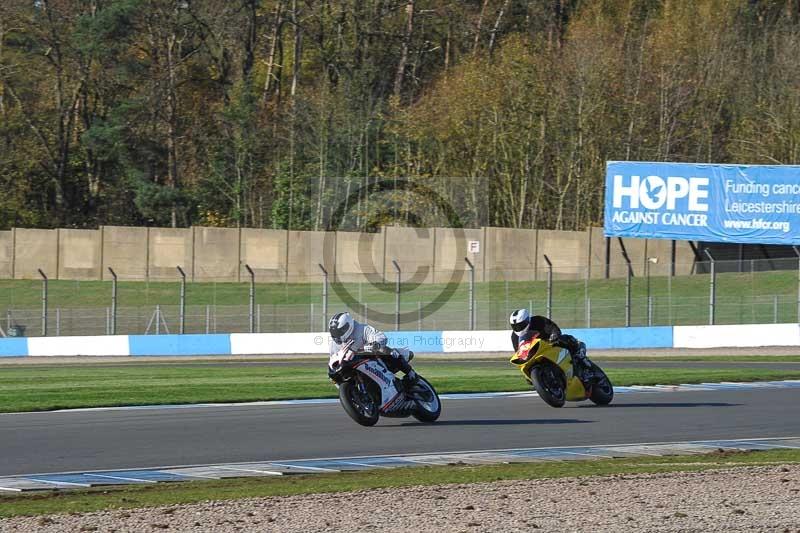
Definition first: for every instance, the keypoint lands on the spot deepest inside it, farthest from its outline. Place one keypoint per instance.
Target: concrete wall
(684, 259)
(168, 249)
(658, 251)
(359, 256)
(35, 249)
(216, 254)
(265, 251)
(413, 249)
(510, 254)
(597, 253)
(80, 254)
(125, 250)
(425, 255)
(450, 249)
(568, 251)
(6, 254)
(636, 250)
(307, 250)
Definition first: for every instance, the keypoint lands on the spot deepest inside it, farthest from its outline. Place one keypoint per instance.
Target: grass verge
(198, 491)
(47, 387)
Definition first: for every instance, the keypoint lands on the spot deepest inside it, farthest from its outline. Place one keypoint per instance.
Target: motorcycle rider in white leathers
(365, 338)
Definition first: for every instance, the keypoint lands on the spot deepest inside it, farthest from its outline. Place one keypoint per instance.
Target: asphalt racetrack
(156, 437)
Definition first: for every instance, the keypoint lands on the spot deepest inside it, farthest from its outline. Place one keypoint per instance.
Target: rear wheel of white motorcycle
(358, 403)
(549, 382)
(427, 411)
(602, 389)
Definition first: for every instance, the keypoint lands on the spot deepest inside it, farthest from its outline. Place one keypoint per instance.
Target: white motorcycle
(369, 390)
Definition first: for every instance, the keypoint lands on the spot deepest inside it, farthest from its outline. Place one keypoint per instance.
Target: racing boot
(581, 364)
(410, 378)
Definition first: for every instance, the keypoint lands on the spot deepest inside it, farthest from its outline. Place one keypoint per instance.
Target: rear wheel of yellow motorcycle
(602, 389)
(550, 384)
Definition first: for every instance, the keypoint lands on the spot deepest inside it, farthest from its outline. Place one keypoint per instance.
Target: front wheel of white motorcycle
(428, 405)
(358, 403)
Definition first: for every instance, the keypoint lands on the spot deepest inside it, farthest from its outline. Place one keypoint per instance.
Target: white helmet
(341, 327)
(520, 321)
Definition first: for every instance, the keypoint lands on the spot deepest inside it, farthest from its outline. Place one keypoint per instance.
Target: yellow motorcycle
(549, 369)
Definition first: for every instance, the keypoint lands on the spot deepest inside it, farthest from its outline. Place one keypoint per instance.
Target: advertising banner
(758, 204)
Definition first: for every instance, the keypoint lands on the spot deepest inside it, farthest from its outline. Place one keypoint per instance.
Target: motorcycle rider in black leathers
(525, 326)
(343, 329)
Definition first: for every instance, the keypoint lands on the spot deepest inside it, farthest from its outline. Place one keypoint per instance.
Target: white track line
(122, 478)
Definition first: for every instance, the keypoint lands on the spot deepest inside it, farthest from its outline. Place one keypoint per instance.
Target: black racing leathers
(542, 327)
(547, 330)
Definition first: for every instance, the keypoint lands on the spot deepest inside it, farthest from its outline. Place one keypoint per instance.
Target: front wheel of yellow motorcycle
(550, 383)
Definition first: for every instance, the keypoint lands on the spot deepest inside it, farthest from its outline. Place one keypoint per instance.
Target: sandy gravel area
(742, 499)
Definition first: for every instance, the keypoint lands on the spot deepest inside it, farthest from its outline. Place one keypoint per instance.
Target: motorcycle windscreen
(377, 372)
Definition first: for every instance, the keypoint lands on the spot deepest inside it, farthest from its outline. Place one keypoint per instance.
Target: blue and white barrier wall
(738, 336)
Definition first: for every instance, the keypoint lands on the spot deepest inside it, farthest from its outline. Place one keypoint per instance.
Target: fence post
(588, 312)
(252, 297)
(713, 294)
(669, 298)
(775, 309)
(471, 294)
(419, 315)
(44, 302)
(182, 309)
(113, 301)
(549, 286)
(628, 277)
(797, 251)
(396, 296)
(324, 297)
(158, 319)
(650, 261)
(208, 318)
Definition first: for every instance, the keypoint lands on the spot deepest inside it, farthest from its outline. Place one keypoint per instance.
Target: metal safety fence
(707, 292)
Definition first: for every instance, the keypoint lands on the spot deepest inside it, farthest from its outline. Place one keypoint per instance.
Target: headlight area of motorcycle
(336, 378)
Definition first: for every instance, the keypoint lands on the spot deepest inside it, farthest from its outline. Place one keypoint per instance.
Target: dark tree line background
(262, 112)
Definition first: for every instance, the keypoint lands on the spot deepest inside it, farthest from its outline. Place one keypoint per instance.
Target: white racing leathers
(364, 337)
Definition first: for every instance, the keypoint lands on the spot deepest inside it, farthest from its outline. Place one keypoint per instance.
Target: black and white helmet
(341, 327)
(520, 321)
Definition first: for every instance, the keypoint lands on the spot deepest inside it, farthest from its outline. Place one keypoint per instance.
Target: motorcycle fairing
(375, 370)
(538, 351)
